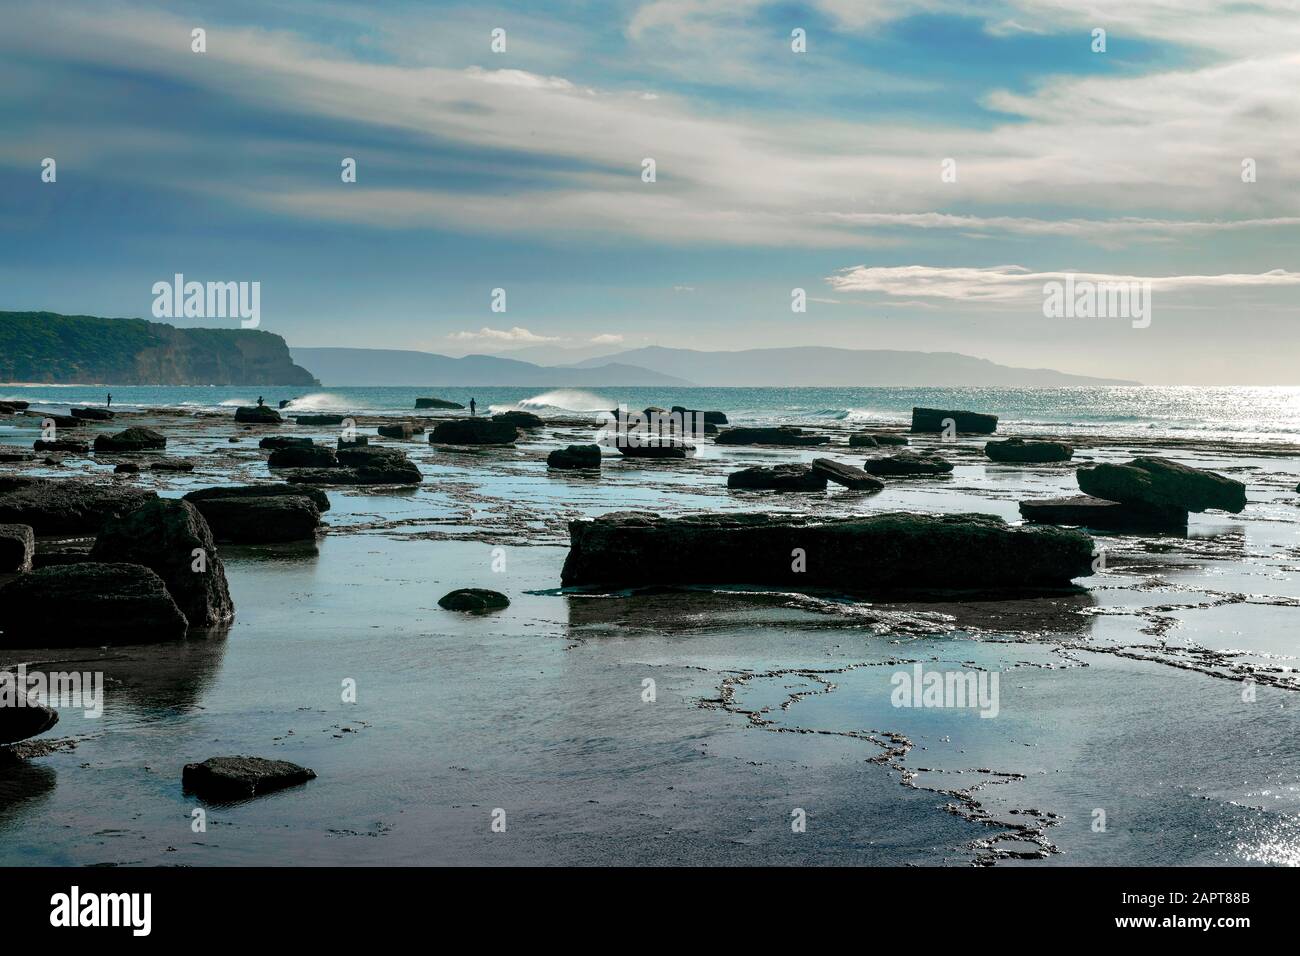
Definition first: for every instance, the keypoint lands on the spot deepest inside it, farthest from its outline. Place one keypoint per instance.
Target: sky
(921, 169)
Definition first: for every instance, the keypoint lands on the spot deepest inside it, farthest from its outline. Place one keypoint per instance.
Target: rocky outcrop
(319, 419)
(17, 545)
(474, 431)
(303, 456)
(239, 778)
(708, 418)
(656, 448)
(519, 419)
(473, 599)
(437, 403)
(64, 506)
(171, 464)
(879, 552)
(932, 420)
(11, 454)
(275, 442)
(1163, 484)
(1088, 512)
(317, 497)
(262, 520)
(362, 465)
(24, 718)
(70, 446)
(574, 457)
(777, 478)
(846, 475)
(400, 430)
(257, 415)
(908, 464)
(167, 535)
(88, 604)
(92, 414)
(782, 435)
(1017, 450)
(133, 439)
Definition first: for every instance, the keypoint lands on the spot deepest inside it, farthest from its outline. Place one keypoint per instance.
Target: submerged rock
(24, 719)
(237, 778)
(520, 419)
(1018, 450)
(87, 604)
(474, 431)
(1163, 484)
(778, 478)
(257, 415)
(262, 520)
(846, 475)
(1088, 512)
(303, 456)
(164, 535)
(131, 439)
(17, 545)
(908, 463)
(67, 506)
(575, 456)
(317, 497)
(887, 551)
(782, 435)
(932, 419)
(473, 599)
(436, 403)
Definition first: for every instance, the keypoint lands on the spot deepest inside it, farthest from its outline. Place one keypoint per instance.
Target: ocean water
(1239, 412)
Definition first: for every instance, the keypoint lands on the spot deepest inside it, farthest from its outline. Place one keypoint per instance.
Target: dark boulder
(165, 536)
(356, 441)
(400, 430)
(10, 454)
(908, 463)
(126, 468)
(93, 414)
(656, 448)
(873, 439)
(71, 446)
(257, 415)
(846, 475)
(16, 404)
(60, 421)
(782, 435)
(131, 439)
(382, 471)
(878, 552)
(932, 419)
(777, 478)
(709, 418)
(276, 442)
(303, 456)
(1163, 484)
(474, 431)
(171, 464)
(519, 419)
(24, 718)
(1017, 450)
(1089, 512)
(362, 456)
(319, 419)
(318, 497)
(88, 604)
(65, 506)
(239, 778)
(262, 520)
(473, 599)
(575, 456)
(17, 545)
(436, 403)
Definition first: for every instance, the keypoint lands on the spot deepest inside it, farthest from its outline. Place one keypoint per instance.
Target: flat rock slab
(67, 506)
(474, 431)
(380, 473)
(238, 778)
(778, 478)
(873, 439)
(303, 456)
(403, 430)
(318, 497)
(787, 435)
(1088, 512)
(473, 599)
(1017, 450)
(575, 456)
(889, 551)
(257, 415)
(262, 520)
(131, 439)
(319, 419)
(846, 475)
(12, 453)
(437, 403)
(932, 420)
(520, 419)
(93, 414)
(71, 446)
(666, 448)
(88, 604)
(908, 464)
(1163, 484)
(24, 718)
(17, 546)
(275, 442)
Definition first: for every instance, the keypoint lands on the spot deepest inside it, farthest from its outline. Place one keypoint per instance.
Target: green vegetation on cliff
(86, 349)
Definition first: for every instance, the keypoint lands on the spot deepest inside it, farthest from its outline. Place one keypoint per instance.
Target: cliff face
(85, 349)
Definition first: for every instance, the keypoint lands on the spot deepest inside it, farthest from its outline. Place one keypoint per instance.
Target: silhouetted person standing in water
(110, 399)
(472, 407)
(260, 403)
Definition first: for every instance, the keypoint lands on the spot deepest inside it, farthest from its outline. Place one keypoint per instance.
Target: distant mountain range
(345, 366)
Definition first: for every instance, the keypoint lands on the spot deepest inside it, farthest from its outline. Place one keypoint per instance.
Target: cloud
(514, 335)
(608, 338)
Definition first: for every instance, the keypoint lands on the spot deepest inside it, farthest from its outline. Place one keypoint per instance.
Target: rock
(357, 441)
(24, 719)
(11, 453)
(383, 471)
(16, 404)
(862, 440)
(473, 599)
(93, 414)
(88, 604)
(363, 456)
(71, 446)
(65, 506)
(319, 419)
(783, 435)
(846, 475)
(710, 418)
(316, 496)
(436, 403)
(164, 535)
(931, 420)
(778, 478)
(262, 520)
(872, 439)
(474, 431)
(60, 421)
(907, 463)
(660, 448)
(1089, 512)
(402, 430)
(131, 439)
(303, 456)
(171, 464)
(520, 419)
(1018, 450)
(276, 442)
(126, 468)
(575, 456)
(17, 545)
(877, 552)
(1163, 484)
(238, 778)
(257, 415)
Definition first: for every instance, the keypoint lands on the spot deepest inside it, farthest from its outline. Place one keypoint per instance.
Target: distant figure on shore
(110, 399)
(472, 407)
(260, 403)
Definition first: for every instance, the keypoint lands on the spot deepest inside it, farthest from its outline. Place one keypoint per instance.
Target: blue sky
(775, 170)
